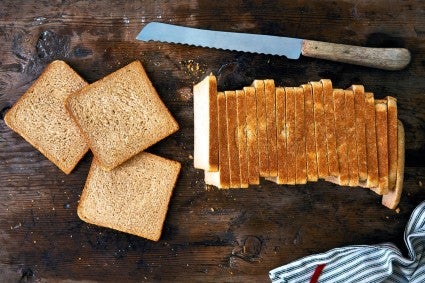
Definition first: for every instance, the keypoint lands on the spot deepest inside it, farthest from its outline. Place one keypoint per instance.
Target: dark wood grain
(209, 235)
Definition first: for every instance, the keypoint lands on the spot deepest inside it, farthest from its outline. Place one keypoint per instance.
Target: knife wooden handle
(381, 58)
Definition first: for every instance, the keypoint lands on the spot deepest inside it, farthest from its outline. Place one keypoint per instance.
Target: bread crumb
(190, 156)
(420, 183)
(212, 209)
(397, 210)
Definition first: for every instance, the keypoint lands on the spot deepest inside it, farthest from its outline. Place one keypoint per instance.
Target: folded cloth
(363, 263)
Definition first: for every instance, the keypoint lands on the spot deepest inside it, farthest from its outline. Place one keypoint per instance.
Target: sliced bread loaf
(121, 115)
(40, 117)
(205, 146)
(132, 198)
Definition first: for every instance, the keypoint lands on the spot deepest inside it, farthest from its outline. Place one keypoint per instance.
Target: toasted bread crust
(282, 133)
(392, 142)
(224, 165)
(381, 112)
(263, 151)
(310, 136)
(359, 104)
(291, 150)
(371, 139)
(353, 162)
(232, 138)
(252, 136)
(392, 199)
(341, 137)
(270, 94)
(301, 159)
(242, 138)
(320, 131)
(330, 127)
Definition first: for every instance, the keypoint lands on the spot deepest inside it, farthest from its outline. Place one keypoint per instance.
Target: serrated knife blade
(245, 42)
(292, 48)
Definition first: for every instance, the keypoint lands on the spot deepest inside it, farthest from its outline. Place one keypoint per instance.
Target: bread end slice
(392, 199)
(40, 117)
(205, 124)
(132, 198)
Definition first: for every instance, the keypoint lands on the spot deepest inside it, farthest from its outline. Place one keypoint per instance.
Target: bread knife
(292, 48)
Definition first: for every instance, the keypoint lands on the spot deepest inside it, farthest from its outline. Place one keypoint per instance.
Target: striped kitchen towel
(363, 263)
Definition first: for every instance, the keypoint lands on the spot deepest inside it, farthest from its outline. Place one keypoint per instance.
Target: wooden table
(209, 235)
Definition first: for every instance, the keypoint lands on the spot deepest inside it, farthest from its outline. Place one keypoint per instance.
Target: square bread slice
(233, 139)
(270, 94)
(291, 144)
(353, 162)
(301, 159)
(392, 142)
(40, 117)
(310, 136)
(341, 138)
(381, 122)
(121, 115)
(221, 179)
(252, 136)
(320, 131)
(359, 105)
(263, 150)
(242, 133)
(392, 199)
(282, 133)
(132, 198)
(205, 148)
(371, 145)
(328, 103)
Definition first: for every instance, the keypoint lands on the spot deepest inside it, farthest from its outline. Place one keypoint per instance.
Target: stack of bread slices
(117, 117)
(295, 135)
